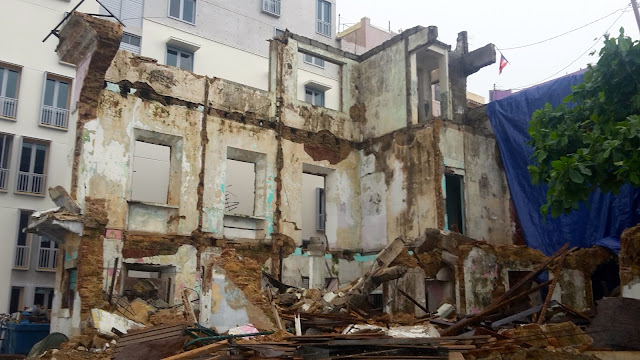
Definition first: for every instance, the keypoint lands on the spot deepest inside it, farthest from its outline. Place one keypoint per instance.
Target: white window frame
(51, 253)
(5, 151)
(314, 91)
(180, 51)
(9, 105)
(31, 176)
(314, 60)
(26, 248)
(129, 45)
(51, 115)
(181, 16)
(321, 23)
(268, 5)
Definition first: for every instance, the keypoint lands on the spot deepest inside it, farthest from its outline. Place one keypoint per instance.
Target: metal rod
(63, 20)
(113, 280)
(110, 13)
(635, 11)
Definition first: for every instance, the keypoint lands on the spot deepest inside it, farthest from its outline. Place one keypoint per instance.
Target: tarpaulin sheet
(600, 222)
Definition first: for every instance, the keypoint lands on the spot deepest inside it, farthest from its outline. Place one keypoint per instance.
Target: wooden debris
(552, 287)
(191, 354)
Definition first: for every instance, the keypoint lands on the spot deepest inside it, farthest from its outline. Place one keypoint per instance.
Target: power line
(566, 33)
(578, 58)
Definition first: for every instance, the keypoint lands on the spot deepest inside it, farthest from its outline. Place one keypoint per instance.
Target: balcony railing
(4, 178)
(22, 257)
(53, 116)
(8, 107)
(47, 259)
(324, 28)
(31, 183)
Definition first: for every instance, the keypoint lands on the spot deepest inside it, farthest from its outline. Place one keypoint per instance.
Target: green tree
(592, 140)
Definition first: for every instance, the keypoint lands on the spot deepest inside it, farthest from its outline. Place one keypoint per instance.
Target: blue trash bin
(20, 338)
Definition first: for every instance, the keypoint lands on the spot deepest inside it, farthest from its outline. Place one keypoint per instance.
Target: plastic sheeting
(600, 222)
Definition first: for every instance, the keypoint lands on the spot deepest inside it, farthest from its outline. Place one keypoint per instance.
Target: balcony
(8, 107)
(47, 259)
(4, 178)
(53, 116)
(22, 257)
(31, 183)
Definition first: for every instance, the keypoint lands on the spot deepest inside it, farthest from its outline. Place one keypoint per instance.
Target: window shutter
(320, 209)
(19, 156)
(131, 14)
(114, 6)
(44, 88)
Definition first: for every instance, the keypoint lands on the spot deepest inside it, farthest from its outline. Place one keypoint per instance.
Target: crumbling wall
(629, 259)
(125, 114)
(401, 185)
(301, 115)
(222, 135)
(486, 193)
(383, 78)
(342, 189)
(486, 271)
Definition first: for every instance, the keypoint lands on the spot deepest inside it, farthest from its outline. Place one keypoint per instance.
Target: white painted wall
(212, 58)
(29, 22)
(331, 96)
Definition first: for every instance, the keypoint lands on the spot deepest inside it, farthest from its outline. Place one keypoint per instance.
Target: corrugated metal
(132, 13)
(132, 48)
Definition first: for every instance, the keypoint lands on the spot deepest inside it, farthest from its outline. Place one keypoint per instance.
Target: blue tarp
(599, 223)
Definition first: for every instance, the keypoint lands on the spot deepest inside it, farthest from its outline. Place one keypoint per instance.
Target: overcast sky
(506, 24)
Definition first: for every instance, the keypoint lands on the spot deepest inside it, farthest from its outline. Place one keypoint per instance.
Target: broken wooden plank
(489, 310)
(188, 309)
(413, 301)
(552, 287)
(507, 295)
(199, 351)
(533, 274)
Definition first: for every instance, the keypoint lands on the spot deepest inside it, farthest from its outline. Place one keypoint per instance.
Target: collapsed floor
(526, 316)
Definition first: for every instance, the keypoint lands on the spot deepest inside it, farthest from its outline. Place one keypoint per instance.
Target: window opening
(8, 92)
(151, 172)
(324, 18)
(240, 187)
(454, 203)
(5, 151)
(184, 10)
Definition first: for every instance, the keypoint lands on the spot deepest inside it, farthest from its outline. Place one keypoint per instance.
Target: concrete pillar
(316, 253)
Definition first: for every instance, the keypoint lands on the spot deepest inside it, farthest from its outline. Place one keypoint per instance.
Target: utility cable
(565, 33)
(578, 58)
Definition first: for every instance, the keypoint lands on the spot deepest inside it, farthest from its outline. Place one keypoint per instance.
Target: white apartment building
(36, 143)
(217, 38)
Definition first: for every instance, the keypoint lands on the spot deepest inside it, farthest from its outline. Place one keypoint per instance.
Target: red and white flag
(503, 62)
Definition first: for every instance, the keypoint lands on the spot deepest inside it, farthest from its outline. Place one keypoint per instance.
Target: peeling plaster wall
(486, 193)
(107, 156)
(383, 83)
(301, 115)
(400, 187)
(223, 134)
(297, 265)
(185, 262)
(486, 276)
(342, 191)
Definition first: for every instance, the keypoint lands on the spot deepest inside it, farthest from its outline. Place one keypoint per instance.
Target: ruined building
(389, 169)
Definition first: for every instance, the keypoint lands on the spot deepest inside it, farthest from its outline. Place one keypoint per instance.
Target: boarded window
(240, 187)
(313, 206)
(151, 169)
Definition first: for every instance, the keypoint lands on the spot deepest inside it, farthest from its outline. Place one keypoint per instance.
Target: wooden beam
(199, 351)
(413, 300)
(552, 287)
